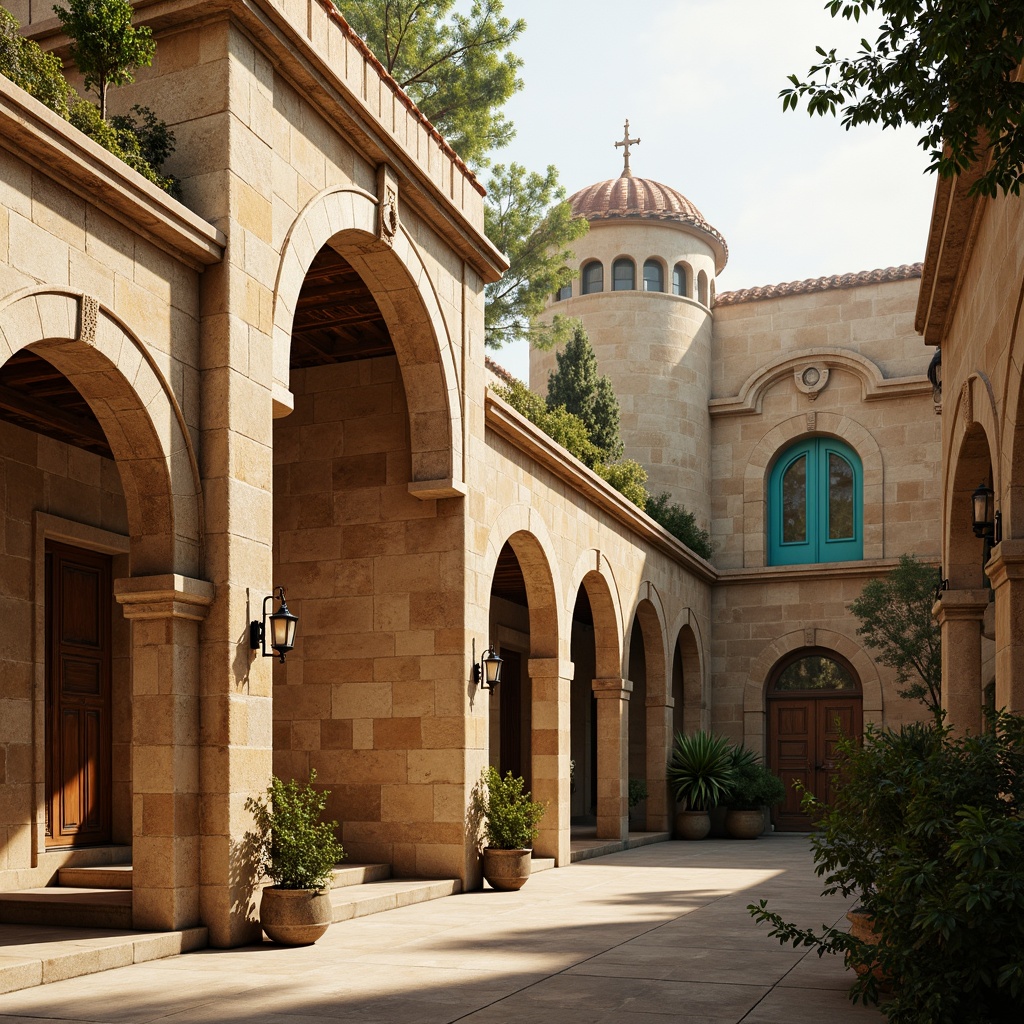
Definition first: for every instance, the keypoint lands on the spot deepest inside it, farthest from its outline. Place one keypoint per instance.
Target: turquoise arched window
(816, 504)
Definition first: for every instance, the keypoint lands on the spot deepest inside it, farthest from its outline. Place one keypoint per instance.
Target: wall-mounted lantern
(278, 629)
(486, 671)
(983, 505)
(935, 379)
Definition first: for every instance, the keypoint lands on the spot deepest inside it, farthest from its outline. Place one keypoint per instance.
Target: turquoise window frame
(816, 545)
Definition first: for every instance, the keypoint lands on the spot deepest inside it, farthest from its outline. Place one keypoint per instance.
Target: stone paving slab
(654, 934)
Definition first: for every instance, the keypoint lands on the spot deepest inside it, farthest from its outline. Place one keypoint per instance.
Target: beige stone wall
(50, 491)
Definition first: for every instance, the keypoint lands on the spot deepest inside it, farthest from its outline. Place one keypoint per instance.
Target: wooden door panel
(78, 701)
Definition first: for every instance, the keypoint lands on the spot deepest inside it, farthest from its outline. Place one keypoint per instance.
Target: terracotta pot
(507, 869)
(744, 824)
(295, 917)
(862, 926)
(693, 824)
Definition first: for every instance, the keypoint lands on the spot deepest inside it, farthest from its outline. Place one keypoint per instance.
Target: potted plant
(510, 819)
(297, 851)
(637, 793)
(926, 829)
(754, 787)
(700, 772)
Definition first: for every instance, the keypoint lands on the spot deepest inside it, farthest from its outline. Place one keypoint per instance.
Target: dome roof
(630, 198)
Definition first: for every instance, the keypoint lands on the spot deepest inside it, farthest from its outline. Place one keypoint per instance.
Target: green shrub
(700, 770)
(754, 787)
(637, 791)
(510, 816)
(926, 829)
(297, 850)
(679, 522)
(25, 63)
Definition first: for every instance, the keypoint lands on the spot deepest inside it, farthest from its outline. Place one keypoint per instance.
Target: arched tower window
(682, 277)
(565, 292)
(623, 275)
(593, 278)
(702, 288)
(816, 504)
(654, 279)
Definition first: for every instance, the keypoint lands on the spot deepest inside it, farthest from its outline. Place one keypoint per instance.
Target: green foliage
(510, 816)
(296, 848)
(104, 44)
(896, 620)
(26, 64)
(927, 829)
(122, 141)
(571, 433)
(578, 386)
(154, 139)
(637, 791)
(948, 68)
(754, 786)
(700, 770)
(527, 218)
(680, 522)
(459, 72)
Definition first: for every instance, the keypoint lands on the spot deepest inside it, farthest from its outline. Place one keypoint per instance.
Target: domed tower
(645, 290)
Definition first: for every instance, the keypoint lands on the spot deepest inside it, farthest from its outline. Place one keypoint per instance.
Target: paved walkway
(646, 936)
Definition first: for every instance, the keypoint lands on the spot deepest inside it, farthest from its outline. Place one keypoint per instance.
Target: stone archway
(114, 373)
(347, 219)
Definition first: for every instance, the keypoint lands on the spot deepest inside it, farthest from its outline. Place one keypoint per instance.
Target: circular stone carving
(811, 376)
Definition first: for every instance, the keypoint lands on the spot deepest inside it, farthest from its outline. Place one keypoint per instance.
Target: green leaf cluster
(927, 829)
(947, 68)
(459, 72)
(568, 430)
(637, 791)
(105, 45)
(510, 816)
(143, 144)
(680, 522)
(527, 217)
(701, 770)
(896, 620)
(297, 850)
(753, 786)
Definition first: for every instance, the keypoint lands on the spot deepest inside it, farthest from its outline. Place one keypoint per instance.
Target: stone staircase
(101, 897)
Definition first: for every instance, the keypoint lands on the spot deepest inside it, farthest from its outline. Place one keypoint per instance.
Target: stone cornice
(867, 569)
(874, 387)
(34, 133)
(532, 441)
(313, 47)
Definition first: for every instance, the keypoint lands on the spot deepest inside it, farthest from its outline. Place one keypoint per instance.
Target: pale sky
(794, 197)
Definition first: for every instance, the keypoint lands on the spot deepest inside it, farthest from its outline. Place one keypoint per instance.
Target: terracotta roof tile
(905, 272)
(499, 371)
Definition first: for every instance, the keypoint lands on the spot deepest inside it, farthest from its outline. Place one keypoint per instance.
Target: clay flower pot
(295, 917)
(693, 824)
(740, 824)
(506, 869)
(862, 926)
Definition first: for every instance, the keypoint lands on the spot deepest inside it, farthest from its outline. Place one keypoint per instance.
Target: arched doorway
(814, 699)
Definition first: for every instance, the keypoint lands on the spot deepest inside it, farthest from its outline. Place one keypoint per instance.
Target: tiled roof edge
(402, 95)
(905, 272)
(499, 371)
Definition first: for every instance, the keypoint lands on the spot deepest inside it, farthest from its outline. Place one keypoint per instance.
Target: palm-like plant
(701, 769)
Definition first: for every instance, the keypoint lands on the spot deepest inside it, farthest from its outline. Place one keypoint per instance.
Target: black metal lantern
(277, 630)
(935, 376)
(983, 504)
(487, 672)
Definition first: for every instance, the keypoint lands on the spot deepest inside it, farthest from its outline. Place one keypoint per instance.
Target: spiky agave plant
(701, 770)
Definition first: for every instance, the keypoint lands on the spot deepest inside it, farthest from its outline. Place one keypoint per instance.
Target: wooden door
(802, 736)
(78, 706)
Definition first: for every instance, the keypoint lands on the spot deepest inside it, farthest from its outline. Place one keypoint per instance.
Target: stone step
(359, 874)
(103, 876)
(68, 907)
(587, 849)
(376, 897)
(541, 864)
(39, 955)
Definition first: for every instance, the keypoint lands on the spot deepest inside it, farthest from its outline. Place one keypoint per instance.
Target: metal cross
(625, 144)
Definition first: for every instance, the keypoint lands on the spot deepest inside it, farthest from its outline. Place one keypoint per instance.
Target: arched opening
(623, 275)
(637, 760)
(369, 557)
(814, 699)
(592, 278)
(688, 712)
(654, 276)
(682, 280)
(583, 715)
(702, 288)
(650, 718)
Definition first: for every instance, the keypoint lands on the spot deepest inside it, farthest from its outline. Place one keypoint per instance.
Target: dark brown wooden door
(78, 711)
(802, 735)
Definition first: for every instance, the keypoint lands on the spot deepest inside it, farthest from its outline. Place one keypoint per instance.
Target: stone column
(959, 614)
(1006, 571)
(612, 757)
(659, 746)
(165, 612)
(550, 680)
